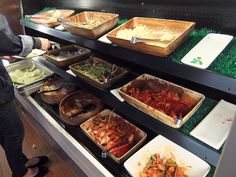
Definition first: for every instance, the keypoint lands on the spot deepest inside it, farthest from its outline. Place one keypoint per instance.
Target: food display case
(214, 83)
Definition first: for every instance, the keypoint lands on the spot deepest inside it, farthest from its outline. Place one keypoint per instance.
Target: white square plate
(215, 127)
(166, 148)
(206, 51)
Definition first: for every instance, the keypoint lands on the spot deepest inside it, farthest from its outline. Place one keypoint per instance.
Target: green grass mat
(224, 64)
(198, 116)
(211, 172)
(122, 21)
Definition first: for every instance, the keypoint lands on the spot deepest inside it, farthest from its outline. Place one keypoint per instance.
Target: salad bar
(88, 126)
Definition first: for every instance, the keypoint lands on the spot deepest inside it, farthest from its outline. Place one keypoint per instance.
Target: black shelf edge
(218, 82)
(203, 151)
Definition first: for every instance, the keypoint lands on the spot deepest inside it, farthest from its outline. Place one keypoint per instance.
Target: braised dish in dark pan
(55, 89)
(78, 107)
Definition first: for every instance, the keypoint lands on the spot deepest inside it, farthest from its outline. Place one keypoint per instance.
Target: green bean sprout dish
(97, 71)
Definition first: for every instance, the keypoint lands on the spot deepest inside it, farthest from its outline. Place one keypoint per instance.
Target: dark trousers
(11, 139)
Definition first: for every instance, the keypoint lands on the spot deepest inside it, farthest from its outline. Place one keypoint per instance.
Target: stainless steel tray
(29, 88)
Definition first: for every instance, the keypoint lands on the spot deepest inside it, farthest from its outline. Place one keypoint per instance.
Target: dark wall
(219, 15)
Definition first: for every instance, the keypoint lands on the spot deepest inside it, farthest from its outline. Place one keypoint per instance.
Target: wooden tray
(120, 73)
(178, 29)
(142, 135)
(109, 21)
(195, 99)
(62, 13)
(83, 53)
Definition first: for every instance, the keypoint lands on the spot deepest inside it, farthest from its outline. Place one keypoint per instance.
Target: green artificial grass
(122, 21)
(224, 64)
(198, 116)
(192, 40)
(211, 172)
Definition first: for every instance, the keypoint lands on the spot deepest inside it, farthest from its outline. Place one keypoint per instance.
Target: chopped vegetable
(26, 76)
(115, 134)
(163, 99)
(156, 167)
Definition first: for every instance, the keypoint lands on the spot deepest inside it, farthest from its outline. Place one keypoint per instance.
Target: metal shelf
(214, 85)
(137, 117)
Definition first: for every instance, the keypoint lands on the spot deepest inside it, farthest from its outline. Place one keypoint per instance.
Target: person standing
(11, 128)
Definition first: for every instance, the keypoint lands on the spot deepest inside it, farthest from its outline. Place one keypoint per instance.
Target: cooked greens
(97, 71)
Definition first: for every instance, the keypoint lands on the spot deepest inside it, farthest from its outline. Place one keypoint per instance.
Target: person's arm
(10, 44)
(20, 45)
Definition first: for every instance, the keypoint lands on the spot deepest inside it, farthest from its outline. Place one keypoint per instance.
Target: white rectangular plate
(104, 39)
(166, 148)
(215, 127)
(117, 95)
(206, 51)
(71, 73)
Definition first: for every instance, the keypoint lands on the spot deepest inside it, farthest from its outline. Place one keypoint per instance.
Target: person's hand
(45, 43)
(6, 57)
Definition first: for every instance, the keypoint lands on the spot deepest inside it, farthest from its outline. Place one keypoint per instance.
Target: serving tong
(84, 109)
(36, 16)
(70, 23)
(55, 45)
(178, 121)
(52, 90)
(135, 40)
(108, 75)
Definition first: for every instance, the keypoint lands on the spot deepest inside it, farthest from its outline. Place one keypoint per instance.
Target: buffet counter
(83, 159)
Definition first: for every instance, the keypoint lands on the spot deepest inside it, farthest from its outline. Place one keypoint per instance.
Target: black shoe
(41, 161)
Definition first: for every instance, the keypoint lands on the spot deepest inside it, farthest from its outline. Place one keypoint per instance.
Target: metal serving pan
(31, 87)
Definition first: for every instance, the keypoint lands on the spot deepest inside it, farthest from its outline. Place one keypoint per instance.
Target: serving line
(81, 157)
(187, 142)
